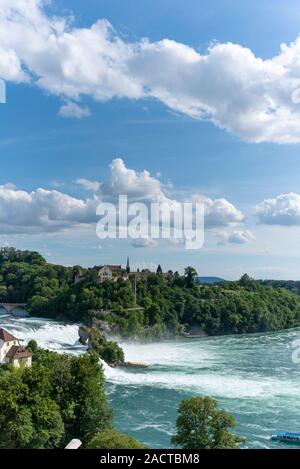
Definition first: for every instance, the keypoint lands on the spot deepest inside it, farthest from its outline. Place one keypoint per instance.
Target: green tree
(112, 439)
(32, 346)
(112, 353)
(201, 425)
(190, 276)
(92, 413)
(109, 351)
(61, 397)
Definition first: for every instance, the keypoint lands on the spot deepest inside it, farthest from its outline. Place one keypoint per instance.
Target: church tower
(128, 266)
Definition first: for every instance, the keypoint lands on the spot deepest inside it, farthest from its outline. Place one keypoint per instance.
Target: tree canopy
(112, 439)
(168, 304)
(61, 397)
(201, 425)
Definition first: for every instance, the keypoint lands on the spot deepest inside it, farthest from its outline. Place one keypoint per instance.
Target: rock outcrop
(132, 365)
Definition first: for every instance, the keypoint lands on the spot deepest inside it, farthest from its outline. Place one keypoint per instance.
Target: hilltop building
(111, 272)
(12, 352)
(114, 272)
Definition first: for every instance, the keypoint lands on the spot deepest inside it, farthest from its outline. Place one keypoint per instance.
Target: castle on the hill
(114, 272)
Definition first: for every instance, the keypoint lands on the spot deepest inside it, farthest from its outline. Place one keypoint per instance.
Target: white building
(12, 352)
(105, 272)
(111, 272)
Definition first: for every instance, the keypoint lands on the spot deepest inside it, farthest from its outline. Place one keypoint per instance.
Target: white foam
(198, 366)
(209, 383)
(48, 334)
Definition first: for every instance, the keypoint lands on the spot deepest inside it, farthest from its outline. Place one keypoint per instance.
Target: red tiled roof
(17, 351)
(6, 336)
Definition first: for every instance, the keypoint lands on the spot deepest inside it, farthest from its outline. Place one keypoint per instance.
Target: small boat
(287, 437)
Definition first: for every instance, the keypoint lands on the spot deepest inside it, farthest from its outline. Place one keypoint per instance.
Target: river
(253, 377)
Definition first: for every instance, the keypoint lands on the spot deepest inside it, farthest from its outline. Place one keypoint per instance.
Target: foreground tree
(111, 439)
(61, 397)
(29, 417)
(201, 425)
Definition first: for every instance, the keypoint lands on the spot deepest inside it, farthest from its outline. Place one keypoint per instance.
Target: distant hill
(210, 280)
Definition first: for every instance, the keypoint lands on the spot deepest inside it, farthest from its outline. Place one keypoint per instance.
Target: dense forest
(167, 305)
(291, 285)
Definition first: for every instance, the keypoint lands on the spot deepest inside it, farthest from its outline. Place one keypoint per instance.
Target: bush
(109, 351)
(112, 439)
(112, 353)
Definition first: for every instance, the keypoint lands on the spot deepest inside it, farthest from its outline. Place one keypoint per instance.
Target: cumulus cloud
(143, 187)
(256, 99)
(140, 186)
(236, 237)
(42, 211)
(93, 186)
(219, 212)
(73, 110)
(52, 210)
(281, 210)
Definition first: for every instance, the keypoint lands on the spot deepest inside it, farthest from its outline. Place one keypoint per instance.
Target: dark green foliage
(291, 285)
(32, 346)
(108, 350)
(61, 397)
(14, 255)
(111, 439)
(201, 425)
(168, 302)
(190, 276)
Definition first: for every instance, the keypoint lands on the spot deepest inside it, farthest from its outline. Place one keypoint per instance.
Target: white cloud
(143, 187)
(236, 237)
(52, 210)
(144, 242)
(93, 186)
(73, 110)
(10, 66)
(256, 99)
(219, 212)
(136, 185)
(281, 210)
(42, 210)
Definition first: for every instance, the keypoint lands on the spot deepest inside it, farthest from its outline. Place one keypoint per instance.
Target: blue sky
(215, 155)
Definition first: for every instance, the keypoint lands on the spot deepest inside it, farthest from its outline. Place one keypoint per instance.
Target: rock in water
(133, 365)
(83, 333)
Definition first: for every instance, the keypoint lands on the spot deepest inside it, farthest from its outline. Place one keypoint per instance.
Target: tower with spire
(128, 266)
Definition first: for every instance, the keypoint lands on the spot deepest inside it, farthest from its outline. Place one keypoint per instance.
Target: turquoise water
(252, 376)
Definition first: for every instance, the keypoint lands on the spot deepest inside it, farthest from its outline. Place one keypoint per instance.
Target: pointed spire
(128, 266)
